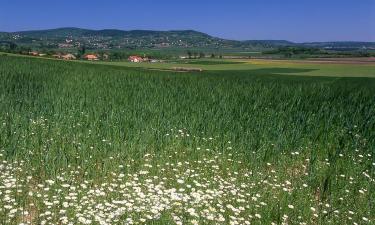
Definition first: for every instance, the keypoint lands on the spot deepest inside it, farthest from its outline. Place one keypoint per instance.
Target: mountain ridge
(117, 38)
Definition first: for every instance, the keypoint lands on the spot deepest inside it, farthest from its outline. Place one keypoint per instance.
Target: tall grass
(306, 145)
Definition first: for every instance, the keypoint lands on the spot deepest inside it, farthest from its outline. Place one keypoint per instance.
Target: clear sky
(294, 20)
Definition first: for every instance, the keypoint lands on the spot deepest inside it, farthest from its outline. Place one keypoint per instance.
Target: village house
(105, 56)
(135, 59)
(34, 53)
(65, 45)
(91, 57)
(68, 57)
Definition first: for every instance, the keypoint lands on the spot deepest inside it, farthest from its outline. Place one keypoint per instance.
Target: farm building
(91, 57)
(135, 59)
(34, 53)
(68, 57)
(105, 56)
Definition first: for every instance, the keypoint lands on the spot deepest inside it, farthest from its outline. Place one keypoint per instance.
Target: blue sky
(294, 20)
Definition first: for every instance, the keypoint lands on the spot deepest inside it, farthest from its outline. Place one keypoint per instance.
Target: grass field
(256, 66)
(211, 62)
(85, 143)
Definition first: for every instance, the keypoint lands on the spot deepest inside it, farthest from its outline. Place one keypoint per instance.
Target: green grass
(259, 146)
(211, 62)
(301, 68)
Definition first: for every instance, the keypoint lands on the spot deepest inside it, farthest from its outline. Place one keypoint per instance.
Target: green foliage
(288, 52)
(82, 51)
(305, 52)
(211, 62)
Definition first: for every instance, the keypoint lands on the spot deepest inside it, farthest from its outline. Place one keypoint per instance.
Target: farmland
(263, 66)
(253, 142)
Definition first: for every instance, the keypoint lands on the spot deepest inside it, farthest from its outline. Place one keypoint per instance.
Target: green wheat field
(84, 143)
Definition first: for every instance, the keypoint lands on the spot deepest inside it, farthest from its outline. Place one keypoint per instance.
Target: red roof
(133, 57)
(90, 56)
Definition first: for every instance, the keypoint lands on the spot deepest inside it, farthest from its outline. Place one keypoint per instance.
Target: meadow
(261, 66)
(92, 143)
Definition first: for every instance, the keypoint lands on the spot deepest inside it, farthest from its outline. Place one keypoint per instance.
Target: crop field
(260, 66)
(245, 143)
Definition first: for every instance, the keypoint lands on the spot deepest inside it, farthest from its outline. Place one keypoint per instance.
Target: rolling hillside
(71, 37)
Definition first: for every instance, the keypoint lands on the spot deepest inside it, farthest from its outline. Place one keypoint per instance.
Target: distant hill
(53, 33)
(119, 39)
(71, 37)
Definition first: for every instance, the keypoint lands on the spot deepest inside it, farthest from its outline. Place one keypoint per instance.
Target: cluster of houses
(64, 56)
(34, 53)
(69, 56)
(89, 57)
(138, 59)
(94, 57)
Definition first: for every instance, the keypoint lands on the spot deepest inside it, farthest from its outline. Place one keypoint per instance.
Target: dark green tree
(12, 46)
(288, 55)
(81, 50)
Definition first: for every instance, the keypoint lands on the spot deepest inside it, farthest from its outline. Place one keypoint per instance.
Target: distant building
(65, 45)
(68, 57)
(34, 53)
(105, 56)
(135, 59)
(91, 57)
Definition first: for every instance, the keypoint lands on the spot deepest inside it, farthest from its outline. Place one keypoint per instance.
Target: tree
(12, 46)
(82, 50)
(189, 54)
(212, 55)
(288, 55)
(202, 55)
(23, 50)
